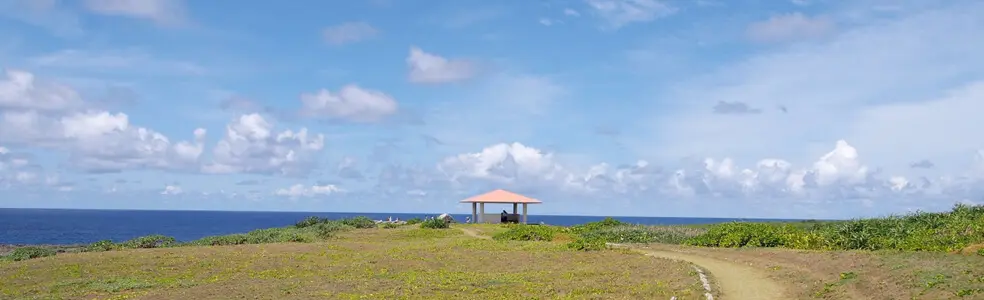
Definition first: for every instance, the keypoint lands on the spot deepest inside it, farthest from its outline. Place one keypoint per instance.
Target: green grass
(399, 263)
(950, 231)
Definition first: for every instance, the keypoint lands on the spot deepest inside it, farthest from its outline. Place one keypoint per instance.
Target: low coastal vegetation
(906, 256)
(958, 230)
(353, 261)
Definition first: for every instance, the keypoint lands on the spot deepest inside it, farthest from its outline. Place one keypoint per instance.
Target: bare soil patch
(859, 274)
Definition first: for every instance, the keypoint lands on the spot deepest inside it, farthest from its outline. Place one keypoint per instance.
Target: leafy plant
(150, 241)
(522, 232)
(360, 222)
(25, 253)
(434, 223)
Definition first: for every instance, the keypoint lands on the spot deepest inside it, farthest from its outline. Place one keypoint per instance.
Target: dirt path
(734, 281)
(472, 233)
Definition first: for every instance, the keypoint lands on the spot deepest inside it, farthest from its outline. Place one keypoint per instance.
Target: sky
(702, 108)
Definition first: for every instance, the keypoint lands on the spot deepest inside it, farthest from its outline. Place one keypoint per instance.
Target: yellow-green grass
(399, 263)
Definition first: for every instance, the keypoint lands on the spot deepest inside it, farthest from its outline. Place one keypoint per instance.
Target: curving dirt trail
(734, 281)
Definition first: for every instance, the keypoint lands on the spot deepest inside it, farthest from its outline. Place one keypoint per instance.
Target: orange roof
(501, 196)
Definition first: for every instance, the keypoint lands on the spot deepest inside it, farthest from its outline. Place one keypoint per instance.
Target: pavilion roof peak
(501, 196)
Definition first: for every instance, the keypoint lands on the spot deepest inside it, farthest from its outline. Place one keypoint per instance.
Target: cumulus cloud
(300, 190)
(427, 68)
(351, 103)
(618, 13)
(792, 26)
(171, 190)
(838, 174)
(20, 90)
(347, 33)
(251, 145)
(44, 114)
(889, 104)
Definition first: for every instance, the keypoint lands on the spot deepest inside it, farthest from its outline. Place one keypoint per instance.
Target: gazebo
(498, 197)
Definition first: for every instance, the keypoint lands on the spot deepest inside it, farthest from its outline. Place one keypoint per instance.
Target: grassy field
(375, 263)
(915, 256)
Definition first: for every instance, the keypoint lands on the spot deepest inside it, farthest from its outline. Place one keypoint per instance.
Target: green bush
(434, 224)
(414, 221)
(523, 232)
(360, 222)
(980, 252)
(310, 221)
(643, 234)
(25, 253)
(920, 231)
(390, 225)
(608, 222)
(221, 240)
(150, 241)
(103, 245)
(587, 244)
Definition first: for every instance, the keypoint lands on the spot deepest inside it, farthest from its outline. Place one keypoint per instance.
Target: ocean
(74, 226)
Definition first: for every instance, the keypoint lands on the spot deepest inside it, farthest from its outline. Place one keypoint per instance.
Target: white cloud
(430, 69)
(163, 12)
(299, 190)
(347, 33)
(51, 115)
(352, 103)
(571, 12)
(618, 13)
(792, 26)
(844, 87)
(171, 190)
(838, 175)
(250, 145)
(21, 90)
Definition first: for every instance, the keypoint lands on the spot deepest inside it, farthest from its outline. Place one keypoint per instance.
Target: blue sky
(802, 108)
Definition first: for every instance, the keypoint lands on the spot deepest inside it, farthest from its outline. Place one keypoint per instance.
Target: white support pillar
(524, 213)
(474, 216)
(515, 211)
(481, 212)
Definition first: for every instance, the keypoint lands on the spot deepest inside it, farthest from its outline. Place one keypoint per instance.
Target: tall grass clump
(643, 234)
(25, 253)
(523, 232)
(921, 231)
(434, 223)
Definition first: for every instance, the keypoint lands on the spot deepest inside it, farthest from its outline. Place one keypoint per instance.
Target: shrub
(280, 235)
(221, 240)
(310, 221)
(360, 222)
(980, 252)
(150, 241)
(103, 245)
(587, 244)
(643, 234)
(920, 231)
(434, 224)
(328, 229)
(414, 221)
(390, 225)
(608, 222)
(522, 232)
(25, 253)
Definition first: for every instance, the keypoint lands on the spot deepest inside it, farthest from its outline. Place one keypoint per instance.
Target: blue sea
(72, 226)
